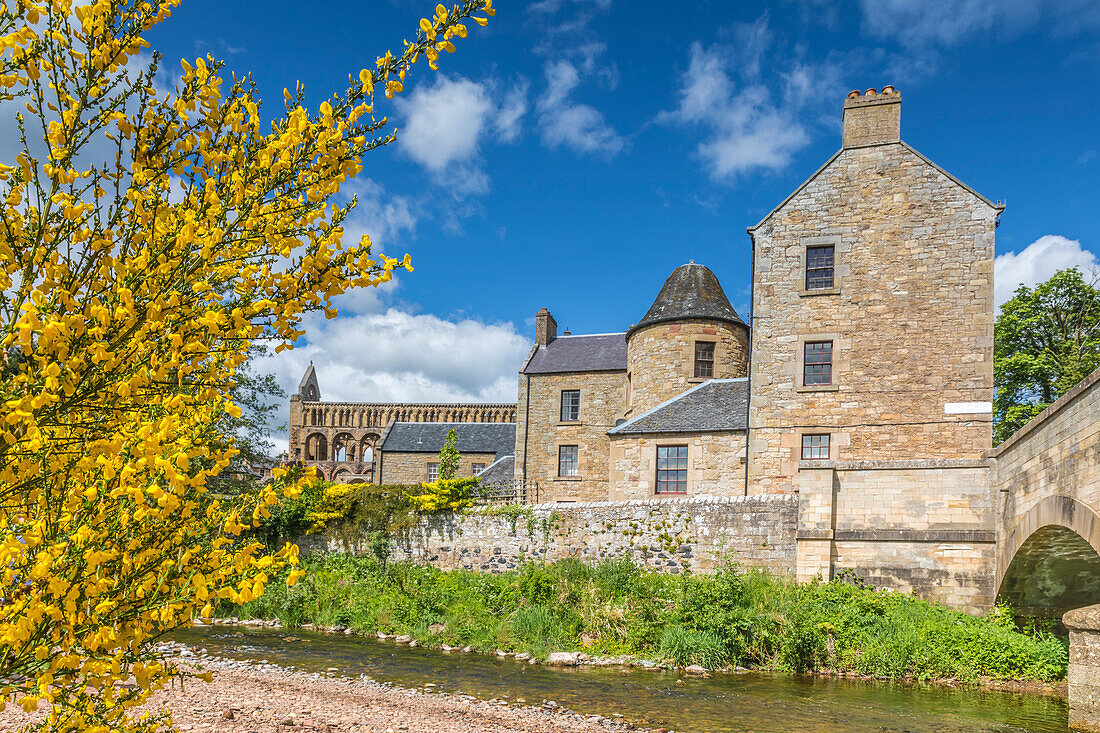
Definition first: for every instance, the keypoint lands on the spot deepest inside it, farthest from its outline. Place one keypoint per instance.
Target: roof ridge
(588, 335)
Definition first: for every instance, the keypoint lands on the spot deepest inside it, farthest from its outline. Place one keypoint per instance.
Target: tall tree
(1047, 339)
(147, 239)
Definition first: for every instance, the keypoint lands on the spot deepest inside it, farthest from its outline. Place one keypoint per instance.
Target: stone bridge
(1047, 483)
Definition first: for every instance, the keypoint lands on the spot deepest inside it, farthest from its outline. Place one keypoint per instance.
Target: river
(722, 703)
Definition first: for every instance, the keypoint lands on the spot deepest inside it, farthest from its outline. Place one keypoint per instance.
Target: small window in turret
(819, 267)
(704, 359)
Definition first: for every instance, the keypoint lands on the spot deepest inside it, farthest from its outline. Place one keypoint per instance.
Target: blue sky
(574, 152)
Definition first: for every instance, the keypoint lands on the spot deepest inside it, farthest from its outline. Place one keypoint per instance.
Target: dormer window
(820, 261)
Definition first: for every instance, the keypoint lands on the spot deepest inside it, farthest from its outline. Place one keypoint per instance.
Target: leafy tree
(449, 456)
(1047, 339)
(148, 239)
(259, 397)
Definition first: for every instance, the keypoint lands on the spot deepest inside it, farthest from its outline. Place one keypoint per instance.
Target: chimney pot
(870, 92)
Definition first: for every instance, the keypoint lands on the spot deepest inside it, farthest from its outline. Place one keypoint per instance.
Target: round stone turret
(690, 334)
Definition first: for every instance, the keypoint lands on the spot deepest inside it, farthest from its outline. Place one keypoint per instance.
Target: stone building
(346, 441)
(409, 453)
(615, 415)
(862, 394)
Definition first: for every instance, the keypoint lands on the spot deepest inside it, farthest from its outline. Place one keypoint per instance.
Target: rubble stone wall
(671, 535)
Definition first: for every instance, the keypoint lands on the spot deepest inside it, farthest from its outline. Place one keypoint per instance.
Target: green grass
(733, 617)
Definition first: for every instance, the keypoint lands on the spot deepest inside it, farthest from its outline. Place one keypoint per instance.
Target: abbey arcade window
(817, 363)
(570, 405)
(815, 447)
(672, 469)
(704, 359)
(819, 267)
(567, 460)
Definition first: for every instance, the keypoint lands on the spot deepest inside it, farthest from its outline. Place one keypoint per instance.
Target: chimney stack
(546, 328)
(872, 118)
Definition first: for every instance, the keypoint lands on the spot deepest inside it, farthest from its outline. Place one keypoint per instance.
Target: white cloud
(566, 122)
(396, 356)
(754, 126)
(948, 22)
(446, 123)
(954, 22)
(1036, 263)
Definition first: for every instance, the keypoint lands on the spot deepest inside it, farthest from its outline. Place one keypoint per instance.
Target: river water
(723, 703)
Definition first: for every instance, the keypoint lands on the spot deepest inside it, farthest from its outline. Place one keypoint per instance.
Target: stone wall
(697, 534)
(540, 432)
(910, 317)
(412, 468)
(922, 527)
(661, 359)
(715, 464)
(1084, 668)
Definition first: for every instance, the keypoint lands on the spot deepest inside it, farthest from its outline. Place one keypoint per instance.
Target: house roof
(713, 406)
(601, 352)
(429, 437)
(691, 291)
(501, 471)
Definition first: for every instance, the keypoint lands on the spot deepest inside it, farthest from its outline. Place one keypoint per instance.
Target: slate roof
(473, 437)
(603, 352)
(714, 405)
(503, 470)
(691, 291)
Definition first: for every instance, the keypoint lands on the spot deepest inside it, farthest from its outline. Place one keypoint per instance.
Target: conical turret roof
(691, 292)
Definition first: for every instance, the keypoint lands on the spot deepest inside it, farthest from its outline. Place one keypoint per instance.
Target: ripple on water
(722, 703)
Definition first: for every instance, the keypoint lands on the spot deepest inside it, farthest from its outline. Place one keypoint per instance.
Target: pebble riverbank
(264, 698)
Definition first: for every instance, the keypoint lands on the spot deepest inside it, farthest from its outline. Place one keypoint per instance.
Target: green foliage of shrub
(453, 495)
(735, 616)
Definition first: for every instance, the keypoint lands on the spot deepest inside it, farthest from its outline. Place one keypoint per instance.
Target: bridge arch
(1049, 562)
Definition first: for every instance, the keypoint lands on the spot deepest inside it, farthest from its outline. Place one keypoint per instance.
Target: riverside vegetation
(736, 616)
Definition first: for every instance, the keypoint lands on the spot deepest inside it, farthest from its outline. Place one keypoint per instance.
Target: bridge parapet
(1047, 473)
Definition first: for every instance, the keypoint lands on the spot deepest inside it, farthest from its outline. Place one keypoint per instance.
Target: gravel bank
(267, 699)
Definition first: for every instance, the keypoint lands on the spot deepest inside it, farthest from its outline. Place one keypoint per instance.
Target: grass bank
(734, 617)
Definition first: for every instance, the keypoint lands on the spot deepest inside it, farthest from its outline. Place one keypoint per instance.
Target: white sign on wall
(967, 408)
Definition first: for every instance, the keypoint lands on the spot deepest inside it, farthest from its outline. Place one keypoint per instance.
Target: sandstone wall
(910, 316)
(697, 534)
(412, 468)
(927, 528)
(715, 464)
(661, 359)
(540, 432)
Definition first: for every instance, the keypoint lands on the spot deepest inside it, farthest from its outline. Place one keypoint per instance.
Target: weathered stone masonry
(673, 535)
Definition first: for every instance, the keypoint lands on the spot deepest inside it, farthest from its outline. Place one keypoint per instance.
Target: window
(819, 267)
(704, 359)
(476, 468)
(817, 363)
(567, 460)
(433, 472)
(570, 405)
(815, 447)
(672, 469)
